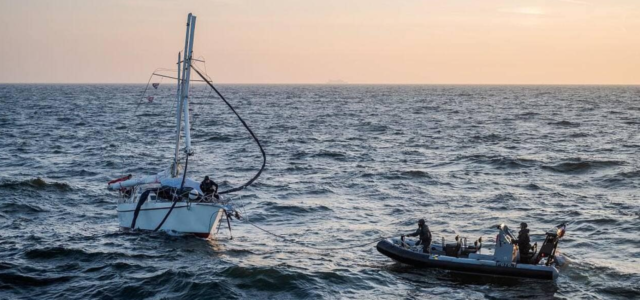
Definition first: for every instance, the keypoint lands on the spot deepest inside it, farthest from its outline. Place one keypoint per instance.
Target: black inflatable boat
(505, 261)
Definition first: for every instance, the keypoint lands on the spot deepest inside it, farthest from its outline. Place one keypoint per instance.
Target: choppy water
(344, 163)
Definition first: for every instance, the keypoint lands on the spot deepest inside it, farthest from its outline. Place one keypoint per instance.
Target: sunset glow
(369, 42)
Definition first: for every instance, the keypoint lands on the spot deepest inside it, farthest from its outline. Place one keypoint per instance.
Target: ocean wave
(532, 187)
(502, 198)
(528, 114)
(399, 175)
(65, 119)
(377, 128)
(57, 252)
(16, 208)
(37, 184)
(625, 291)
(330, 154)
(489, 138)
(299, 155)
(579, 135)
(25, 281)
(619, 180)
(219, 138)
(630, 174)
(295, 209)
(565, 123)
(271, 279)
(297, 168)
(415, 174)
(207, 289)
(501, 161)
(581, 166)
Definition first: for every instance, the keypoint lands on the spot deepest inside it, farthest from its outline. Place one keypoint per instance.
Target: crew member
(126, 192)
(209, 187)
(523, 242)
(424, 234)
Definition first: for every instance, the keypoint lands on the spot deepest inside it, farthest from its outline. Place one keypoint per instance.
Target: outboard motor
(550, 245)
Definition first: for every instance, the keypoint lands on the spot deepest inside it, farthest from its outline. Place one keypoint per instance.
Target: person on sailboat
(424, 234)
(209, 188)
(523, 241)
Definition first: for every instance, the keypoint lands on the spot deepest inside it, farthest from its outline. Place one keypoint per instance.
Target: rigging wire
(144, 92)
(264, 155)
(176, 78)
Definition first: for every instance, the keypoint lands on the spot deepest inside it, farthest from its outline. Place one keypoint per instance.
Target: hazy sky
(309, 41)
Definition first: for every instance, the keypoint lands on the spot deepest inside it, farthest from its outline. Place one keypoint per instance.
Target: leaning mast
(182, 109)
(186, 74)
(175, 170)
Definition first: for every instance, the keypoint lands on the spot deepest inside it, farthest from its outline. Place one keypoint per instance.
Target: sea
(346, 166)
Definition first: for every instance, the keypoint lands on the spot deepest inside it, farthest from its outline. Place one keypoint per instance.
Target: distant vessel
(505, 261)
(337, 81)
(170, 201)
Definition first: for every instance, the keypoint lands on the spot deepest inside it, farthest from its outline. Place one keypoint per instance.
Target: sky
(314, 41)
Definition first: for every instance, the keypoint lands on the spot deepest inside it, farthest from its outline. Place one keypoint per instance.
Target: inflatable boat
(461, 257)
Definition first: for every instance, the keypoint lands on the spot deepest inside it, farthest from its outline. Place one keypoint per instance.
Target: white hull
(200, 219)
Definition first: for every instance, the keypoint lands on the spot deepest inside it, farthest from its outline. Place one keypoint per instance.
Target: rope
(318, 248)
(264, 155)
(247, 219)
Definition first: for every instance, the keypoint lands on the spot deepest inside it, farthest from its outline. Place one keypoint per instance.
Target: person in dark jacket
(523, 241)
(209, 187)
(424, 234)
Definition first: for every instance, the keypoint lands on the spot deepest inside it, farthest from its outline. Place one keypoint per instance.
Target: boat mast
(186, 75)
(174, 168)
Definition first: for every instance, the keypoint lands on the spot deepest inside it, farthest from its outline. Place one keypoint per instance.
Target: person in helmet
(209, 188)
(424, 234)
(523, 241)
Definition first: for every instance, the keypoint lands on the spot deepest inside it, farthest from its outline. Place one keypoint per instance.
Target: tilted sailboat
(170, 201)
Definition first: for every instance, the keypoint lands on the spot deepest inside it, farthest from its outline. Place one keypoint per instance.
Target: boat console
(506, 250)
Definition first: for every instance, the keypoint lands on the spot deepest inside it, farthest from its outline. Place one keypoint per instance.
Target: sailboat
(170, 201)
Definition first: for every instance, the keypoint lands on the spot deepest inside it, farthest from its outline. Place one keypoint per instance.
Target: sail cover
(140, 180)
(177, 182)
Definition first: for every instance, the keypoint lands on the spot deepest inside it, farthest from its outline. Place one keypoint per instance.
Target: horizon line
(332, 84)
